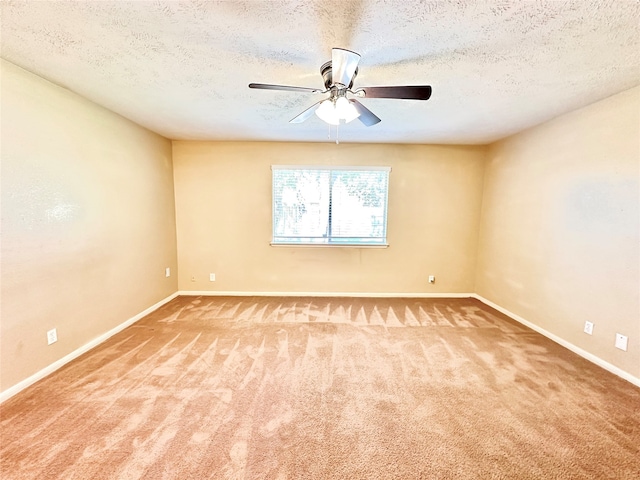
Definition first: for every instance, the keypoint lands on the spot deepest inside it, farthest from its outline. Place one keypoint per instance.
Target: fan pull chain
(337, 134)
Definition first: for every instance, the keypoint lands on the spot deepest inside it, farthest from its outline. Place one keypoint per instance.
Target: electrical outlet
(167, 272)
(212, 277)
(588, 328)
(52, 336)
(621, 341)
(432, 279)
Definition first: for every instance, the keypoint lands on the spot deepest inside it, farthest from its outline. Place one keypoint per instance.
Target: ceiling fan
(338, 75)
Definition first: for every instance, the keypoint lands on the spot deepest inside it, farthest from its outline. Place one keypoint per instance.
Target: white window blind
(330, 205)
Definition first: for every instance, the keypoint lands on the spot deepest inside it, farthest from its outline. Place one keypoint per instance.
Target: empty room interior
(320, 239)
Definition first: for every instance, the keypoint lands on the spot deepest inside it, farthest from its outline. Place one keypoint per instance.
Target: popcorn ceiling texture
(182, 68)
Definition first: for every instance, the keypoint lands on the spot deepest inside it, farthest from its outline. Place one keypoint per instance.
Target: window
(330, 205)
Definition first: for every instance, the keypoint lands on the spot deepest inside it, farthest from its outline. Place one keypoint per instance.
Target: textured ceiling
(181, 68)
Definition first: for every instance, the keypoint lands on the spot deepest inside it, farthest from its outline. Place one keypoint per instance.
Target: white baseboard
(10, 392)
(568, 345)
(215, 293)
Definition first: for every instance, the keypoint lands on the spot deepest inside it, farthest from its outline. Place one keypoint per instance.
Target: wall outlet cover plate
(588, 328)
(621, 342)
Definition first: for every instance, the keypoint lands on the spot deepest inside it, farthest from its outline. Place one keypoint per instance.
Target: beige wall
(88, 223)
(559, 241)
(223, 209)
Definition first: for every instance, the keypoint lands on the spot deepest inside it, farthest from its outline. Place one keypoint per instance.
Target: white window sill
(328, 245)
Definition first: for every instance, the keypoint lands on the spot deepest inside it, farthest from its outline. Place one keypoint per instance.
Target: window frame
(329, 243)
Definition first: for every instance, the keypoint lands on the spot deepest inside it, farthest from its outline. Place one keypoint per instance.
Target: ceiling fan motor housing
(325, 71)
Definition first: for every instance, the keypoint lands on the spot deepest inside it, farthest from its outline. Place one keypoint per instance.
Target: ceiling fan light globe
(327, 113)
(346, 110)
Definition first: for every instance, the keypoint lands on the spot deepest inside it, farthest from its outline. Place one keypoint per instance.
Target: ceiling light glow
(334, 110)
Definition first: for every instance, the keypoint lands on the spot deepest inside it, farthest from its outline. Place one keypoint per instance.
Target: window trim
(331, 168)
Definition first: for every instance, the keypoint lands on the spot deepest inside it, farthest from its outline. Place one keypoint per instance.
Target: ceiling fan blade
(306, 114)
(415, 92)
(266, 86)
(366, 116)
(343, 65)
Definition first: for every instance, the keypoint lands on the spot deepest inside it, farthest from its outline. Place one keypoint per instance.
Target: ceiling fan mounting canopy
(338, 75)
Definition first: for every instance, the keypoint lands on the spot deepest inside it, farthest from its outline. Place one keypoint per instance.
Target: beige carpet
(324, 388)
